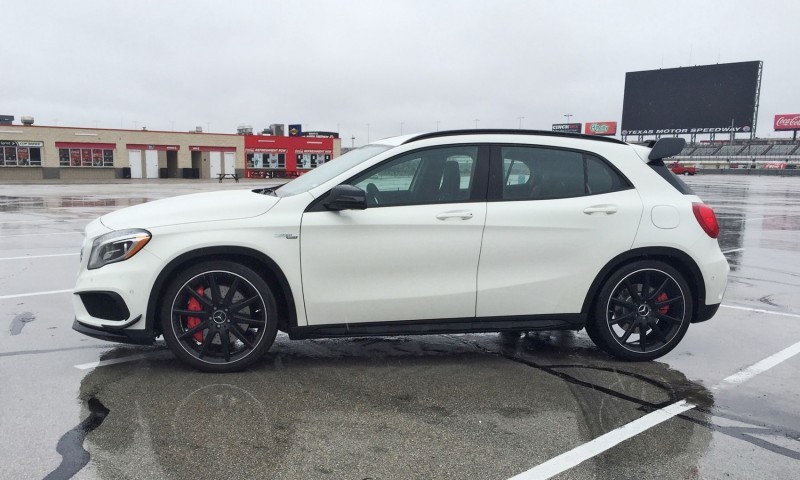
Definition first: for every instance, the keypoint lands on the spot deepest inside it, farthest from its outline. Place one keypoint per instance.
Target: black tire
(648, 301)
(219, 316)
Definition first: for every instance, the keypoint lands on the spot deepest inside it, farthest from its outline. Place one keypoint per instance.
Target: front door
(411, 255)
(215, 163)
(151, 163)
(229, 163)
(135, 163)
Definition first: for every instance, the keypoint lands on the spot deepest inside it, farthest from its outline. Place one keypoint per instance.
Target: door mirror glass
(346, 197)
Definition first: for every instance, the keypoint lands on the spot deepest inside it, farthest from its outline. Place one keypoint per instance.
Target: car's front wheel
(642, 311)
(219, 316)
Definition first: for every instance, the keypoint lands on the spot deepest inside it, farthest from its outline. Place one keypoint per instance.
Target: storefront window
(20, 154)
(85, 157)
(308, 160)
(266, 160)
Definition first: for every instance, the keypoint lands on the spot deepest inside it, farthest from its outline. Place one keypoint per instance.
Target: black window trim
(480, 182)
(496, 183)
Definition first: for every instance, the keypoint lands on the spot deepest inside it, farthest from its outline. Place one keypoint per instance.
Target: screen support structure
(758, 94)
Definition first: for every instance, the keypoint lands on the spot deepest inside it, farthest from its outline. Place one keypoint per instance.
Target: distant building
(32, 152)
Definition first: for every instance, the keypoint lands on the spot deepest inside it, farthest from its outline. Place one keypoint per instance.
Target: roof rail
(510, 131)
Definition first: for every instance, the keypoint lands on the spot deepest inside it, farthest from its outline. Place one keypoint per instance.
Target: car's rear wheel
(642, 311)
(219, 316)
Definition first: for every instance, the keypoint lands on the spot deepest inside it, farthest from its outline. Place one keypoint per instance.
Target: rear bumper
(136, 337)
(705, 312)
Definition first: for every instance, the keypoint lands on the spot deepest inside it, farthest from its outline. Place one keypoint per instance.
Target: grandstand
(758, 153)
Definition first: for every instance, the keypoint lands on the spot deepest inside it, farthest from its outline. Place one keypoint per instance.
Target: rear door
(554, 218)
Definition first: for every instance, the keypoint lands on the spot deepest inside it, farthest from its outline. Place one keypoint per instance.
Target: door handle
(607, 209)
(462, 215)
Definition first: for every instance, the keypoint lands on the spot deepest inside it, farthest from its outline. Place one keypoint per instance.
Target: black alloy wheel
(219, 316)
(642, 311)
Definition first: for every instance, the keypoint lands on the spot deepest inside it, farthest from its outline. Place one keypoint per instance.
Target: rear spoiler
(665, 147)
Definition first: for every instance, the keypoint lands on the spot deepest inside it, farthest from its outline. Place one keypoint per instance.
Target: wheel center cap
(643, 310)
(219, 316)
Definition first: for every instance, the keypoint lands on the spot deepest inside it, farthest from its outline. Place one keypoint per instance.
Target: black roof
(510, 131)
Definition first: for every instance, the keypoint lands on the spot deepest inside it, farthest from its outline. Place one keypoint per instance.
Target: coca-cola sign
(600, 128)
(787, 122)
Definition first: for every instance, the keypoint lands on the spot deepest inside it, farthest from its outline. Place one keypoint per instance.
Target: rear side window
(660, 168)
(533, 173)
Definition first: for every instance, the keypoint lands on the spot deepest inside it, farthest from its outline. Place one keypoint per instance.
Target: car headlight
(117, 246)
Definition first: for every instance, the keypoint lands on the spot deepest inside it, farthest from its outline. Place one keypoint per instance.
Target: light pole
(437, 125)
(568, 115)
(520, 121)
(476, 123)
(353, 141)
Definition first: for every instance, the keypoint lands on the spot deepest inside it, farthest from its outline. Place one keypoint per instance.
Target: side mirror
(346, 197)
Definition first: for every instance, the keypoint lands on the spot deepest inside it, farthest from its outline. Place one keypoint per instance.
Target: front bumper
(136, 337)
(110, 302)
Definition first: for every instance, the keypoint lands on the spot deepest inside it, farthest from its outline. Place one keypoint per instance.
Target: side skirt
(569, 321)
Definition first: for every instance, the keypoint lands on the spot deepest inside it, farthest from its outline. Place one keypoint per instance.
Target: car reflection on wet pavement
(442, 406)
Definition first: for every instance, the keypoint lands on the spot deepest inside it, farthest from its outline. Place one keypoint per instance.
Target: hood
(197, 207)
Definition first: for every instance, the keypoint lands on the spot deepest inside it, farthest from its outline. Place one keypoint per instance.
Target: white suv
(461, 231)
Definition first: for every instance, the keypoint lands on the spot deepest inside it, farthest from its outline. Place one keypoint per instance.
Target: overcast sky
(340, 64)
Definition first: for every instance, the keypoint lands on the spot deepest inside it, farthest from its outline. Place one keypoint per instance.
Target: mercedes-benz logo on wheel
(219, 316)
(643, 310)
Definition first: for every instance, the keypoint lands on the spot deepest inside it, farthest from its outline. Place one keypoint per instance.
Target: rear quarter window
(660, 168)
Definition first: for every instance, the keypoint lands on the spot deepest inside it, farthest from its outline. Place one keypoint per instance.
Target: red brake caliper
(660, 298)
(192, 322)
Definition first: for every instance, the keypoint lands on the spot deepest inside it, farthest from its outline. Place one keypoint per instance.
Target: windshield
(330, 170)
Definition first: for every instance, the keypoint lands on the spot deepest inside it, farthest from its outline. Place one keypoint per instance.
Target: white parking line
(34, 294)
(725, 252)
(761, 310)
(114, 361)
(577, 455)
(41, 234)
(40, 256)
(588, 450)
(759, 367)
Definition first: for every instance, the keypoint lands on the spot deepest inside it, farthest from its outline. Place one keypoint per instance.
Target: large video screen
(702, 99)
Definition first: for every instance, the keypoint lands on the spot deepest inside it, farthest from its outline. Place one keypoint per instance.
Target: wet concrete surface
(443, 406)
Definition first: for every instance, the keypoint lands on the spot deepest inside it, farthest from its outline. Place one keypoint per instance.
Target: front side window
(535, 173)
(437, 175)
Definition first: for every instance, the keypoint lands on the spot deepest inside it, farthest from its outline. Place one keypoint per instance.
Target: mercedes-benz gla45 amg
(461, 231)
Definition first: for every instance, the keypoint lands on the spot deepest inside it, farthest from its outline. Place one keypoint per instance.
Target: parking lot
(723, 404)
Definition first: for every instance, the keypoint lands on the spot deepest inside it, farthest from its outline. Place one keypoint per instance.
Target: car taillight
(706, 218)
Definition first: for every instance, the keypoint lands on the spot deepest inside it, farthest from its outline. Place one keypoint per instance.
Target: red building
(271, 156)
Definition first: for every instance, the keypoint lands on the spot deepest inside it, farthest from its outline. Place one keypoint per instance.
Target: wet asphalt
(445, 406)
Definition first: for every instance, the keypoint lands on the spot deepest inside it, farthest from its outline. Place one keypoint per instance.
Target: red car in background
(679, 169)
